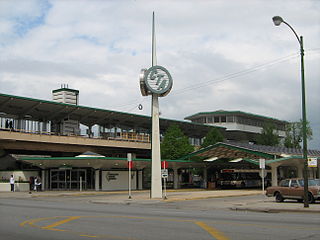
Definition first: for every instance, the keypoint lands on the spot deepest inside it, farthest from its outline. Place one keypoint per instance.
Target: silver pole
(262, 180)
(156, 188)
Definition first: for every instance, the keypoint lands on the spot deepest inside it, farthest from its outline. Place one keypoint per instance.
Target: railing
(131, 136)
(127, 136)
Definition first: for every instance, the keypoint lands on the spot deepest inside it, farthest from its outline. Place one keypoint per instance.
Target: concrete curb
(274, 210)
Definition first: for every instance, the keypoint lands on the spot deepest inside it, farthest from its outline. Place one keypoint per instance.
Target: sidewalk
(222, 199)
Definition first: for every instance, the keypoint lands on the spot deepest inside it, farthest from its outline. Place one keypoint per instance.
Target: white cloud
(221, 54)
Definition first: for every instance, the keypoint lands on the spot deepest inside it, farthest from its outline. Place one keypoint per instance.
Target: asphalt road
(79, 218)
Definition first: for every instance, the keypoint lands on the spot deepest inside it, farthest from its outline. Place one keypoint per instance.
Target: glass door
(68, 179)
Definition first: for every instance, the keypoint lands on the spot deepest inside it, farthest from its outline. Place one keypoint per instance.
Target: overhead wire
(232, 75)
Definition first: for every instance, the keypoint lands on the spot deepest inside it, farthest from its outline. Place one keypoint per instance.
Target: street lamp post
(277, 21)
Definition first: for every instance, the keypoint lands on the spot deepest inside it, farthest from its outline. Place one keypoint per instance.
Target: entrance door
(68, 179)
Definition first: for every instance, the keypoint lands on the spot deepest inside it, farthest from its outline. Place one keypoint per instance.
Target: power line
(236, 74)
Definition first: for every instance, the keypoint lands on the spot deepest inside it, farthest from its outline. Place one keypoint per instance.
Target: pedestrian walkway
(261, 203)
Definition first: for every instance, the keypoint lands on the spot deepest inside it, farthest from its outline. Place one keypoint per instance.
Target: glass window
(216, 119)
(223, 118)
(230, 119)
(204, 120)
(284, 183)
(209, 119)
(294, 183)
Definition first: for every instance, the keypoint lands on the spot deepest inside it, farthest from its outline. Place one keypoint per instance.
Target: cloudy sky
(221, 54)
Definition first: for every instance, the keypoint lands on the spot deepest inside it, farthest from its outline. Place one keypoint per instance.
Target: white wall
(22, 175)
(118, 180)
(18, 187)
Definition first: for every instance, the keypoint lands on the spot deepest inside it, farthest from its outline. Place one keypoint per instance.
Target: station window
(223, 119)
(230, 119)
(216, 119)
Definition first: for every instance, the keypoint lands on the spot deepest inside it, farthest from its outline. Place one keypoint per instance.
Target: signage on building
(111, 176)
(155, 80)
(312, 162)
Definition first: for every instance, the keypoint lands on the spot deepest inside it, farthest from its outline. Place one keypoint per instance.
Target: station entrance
(68, 179)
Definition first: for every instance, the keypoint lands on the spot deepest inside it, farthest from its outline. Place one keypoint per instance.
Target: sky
(222, 55)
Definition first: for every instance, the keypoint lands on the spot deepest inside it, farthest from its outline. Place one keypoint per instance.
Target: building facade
(240, 126)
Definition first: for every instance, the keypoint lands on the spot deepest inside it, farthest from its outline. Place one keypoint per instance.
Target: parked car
(294, 189)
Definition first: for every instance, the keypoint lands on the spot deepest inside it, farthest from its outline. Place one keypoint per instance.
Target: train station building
(74, 147)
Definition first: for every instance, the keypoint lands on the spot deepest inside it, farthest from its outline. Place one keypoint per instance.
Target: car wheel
(279, 197)
(310, 198)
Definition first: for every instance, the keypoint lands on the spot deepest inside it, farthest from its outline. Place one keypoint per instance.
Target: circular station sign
(158, 80)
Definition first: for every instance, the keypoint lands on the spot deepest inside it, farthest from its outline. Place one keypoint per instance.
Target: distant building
(67, 96)
(240, 126)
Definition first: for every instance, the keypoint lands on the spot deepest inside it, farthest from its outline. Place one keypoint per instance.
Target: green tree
(294, 134)
(175, 144)
(268, 136)
(212, 137)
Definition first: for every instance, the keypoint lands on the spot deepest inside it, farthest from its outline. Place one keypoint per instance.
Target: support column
(175, 178)
(97, 180)
(274, 175)
(140, 179)
(43, 180)
(156, 181)
(205, 178)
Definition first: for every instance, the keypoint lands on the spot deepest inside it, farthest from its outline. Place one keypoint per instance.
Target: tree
(294, 134)
(175, 144)
(212, 137)
(268, 136)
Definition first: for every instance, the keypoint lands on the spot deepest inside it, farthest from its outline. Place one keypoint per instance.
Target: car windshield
(311, 182)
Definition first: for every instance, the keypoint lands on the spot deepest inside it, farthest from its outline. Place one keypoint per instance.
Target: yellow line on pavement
(212, 231)
(51, 226)
(83, 235)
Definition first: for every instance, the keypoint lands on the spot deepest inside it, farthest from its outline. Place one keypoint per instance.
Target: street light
(277, 21)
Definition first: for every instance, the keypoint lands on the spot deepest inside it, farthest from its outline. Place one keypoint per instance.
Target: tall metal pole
(277, 21)
(304, 127)
(156, 182)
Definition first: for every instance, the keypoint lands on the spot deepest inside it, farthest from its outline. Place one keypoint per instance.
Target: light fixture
(277, 20)
(211, 159)
(236, 160)
(284, 155)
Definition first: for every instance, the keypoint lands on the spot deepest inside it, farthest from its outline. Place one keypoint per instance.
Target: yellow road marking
(83, 235)
(51, 226)
(212, 231)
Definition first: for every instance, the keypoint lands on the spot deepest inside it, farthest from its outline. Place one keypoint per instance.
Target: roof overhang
(101, 162)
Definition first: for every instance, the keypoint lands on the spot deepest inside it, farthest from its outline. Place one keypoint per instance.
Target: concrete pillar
(97, 180)
(205, 178)
(43, 180)
(156, 180)
(274, 175)
(140, 179)
(175, 178)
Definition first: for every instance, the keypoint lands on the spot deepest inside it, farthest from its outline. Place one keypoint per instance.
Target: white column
(43, 180)
(97, 180)
(156, 182)
(140, 180)
(205, 178)
(274, 175)
(175, 178)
